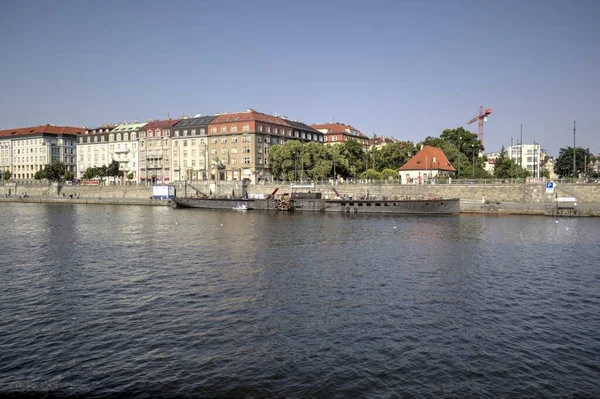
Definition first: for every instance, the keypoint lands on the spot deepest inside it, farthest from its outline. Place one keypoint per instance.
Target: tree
(563, 165)
(130, 176)
(90, 173)
(112, 169)
(6, 175)
(395, 155)
(506, 168)
(55, 171)
(69, 175)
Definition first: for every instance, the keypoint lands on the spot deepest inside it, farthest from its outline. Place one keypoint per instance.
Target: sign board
(163, 192)
(550, 187)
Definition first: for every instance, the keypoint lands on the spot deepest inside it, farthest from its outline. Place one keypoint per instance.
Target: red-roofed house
(338, 133)
(426, 164)
(24, 151)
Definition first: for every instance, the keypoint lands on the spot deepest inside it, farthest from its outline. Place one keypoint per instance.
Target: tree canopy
(563, 165)
(54, 172)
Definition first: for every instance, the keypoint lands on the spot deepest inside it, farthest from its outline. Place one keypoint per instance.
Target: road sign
(550, 187)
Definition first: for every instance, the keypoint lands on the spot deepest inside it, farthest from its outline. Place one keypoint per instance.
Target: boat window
(386, 204)
(427, 203)
(360, 204)
(369, 204)
(441, 203)
(378, 204)
(351, 204)
(343, 204)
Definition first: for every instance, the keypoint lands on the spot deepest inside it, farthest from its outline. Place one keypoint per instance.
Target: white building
(429, 163)
(25, 151)
(528, 156)
(99, 147)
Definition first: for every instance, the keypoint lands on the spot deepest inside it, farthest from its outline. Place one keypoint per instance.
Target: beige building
(239, 143)
(189, 156)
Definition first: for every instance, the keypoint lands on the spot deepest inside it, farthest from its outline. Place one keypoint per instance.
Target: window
(185, 132)
(268, 129)
(223, 129)
(233, 129)
(111, 137)
(213, 129)
(224, 140)
(213, 141)
(260, 128)
(202, 131)
(176, 133)
(234, 139)
(193, 132)
(234, 150)
(246, 128)
(185, 153)
(246, 149)
(185, 143)
(275, 130)
(259, 139)
(246, 160)
(223, 150)
(259, 160)
(334, 138)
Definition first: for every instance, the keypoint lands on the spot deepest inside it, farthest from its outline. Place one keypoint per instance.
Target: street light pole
(459, 138)
(574, 153)
(473, 151)
(295, 162)
(374, 139)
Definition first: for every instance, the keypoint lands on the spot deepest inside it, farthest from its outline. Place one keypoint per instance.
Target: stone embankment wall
(520, 193)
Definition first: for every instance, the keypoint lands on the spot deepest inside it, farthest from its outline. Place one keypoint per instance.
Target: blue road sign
(550, 184)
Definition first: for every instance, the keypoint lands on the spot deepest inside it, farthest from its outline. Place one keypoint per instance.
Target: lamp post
(574, 153)
(473, 151)
(295, 159)
(459, 138)
(374, 140)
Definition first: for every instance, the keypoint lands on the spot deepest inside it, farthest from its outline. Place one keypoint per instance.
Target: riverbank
(466, 206)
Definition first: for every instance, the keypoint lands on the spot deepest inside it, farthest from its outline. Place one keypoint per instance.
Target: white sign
(550, 187)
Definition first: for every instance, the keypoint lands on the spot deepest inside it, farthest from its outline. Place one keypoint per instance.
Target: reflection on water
(101, 300)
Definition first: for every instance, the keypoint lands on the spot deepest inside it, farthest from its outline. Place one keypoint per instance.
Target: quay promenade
(489, 198)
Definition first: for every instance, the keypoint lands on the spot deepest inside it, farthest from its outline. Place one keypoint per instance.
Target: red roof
(336, 128)
(160, 124)
(250, 115)
(42, 129)
(429, 158)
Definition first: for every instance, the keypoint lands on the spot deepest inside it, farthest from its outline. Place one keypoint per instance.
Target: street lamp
(473, 150)
(459, 138)
(295, 159)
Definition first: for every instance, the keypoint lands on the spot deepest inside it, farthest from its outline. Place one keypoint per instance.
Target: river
(150, 301)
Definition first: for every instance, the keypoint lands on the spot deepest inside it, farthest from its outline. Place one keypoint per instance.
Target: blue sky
(407, 69)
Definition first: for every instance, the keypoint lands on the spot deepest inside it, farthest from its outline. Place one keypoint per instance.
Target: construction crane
(482, 117)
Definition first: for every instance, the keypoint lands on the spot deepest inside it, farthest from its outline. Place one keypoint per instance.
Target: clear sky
(407, 69)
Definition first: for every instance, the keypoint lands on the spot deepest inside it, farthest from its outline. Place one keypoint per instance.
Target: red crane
(482, 117)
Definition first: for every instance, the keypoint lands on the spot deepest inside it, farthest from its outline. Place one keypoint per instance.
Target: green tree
(130, 176)
(69, 175)
(90, 173)
(55, 171)
(506, 168)
(395, 155)
(563, 165)
(6, 175)
(112, 169)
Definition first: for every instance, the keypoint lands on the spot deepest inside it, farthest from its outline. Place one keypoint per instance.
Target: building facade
(238, 143)
(25, 151)
(190, 149)
(335, 133)
(93, 149)
(427, 164)
(155, 151)
(529, 157)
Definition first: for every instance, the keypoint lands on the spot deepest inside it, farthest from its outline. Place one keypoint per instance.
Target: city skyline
(403, 69)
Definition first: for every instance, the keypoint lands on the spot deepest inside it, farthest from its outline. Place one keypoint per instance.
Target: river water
(157, 302)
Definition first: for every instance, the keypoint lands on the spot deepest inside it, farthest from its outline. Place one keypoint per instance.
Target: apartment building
(528, 156)
(93, 149)
(238, 143)
(155, 149)
(25, 151)
(189, 157)
(339, 132)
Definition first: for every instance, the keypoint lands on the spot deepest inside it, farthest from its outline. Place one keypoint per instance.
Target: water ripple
(126, 301)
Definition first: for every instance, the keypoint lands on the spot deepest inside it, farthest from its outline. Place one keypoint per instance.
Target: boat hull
(406, 207)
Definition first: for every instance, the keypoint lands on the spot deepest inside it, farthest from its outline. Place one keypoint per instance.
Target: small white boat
(241, 207)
